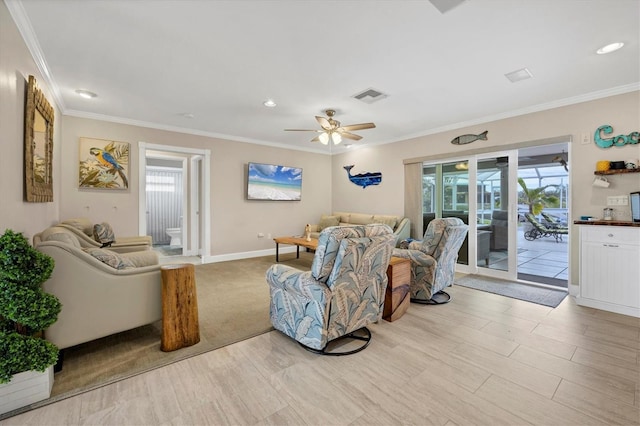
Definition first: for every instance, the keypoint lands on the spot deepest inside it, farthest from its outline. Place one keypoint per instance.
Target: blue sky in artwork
(281, 175)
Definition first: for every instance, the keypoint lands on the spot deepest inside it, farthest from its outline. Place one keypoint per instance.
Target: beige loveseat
(98, 299)
(399, 224)
(83, 229)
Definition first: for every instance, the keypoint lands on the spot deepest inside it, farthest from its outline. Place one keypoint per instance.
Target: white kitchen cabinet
(610, 268)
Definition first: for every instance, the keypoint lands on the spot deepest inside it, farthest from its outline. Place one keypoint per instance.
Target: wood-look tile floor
(481, 359)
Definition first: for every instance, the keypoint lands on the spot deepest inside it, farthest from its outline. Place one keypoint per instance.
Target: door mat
(515, 290)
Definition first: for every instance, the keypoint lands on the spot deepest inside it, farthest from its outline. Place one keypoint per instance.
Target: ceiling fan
(332, 130)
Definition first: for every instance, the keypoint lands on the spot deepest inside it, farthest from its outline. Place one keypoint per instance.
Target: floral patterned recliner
(433, 260)
(343, 292)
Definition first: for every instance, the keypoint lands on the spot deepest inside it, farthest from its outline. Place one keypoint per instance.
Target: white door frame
(204, 156)
(512, 239)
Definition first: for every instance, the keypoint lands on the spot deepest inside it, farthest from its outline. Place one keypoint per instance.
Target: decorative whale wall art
(364, 179)
(465, 139)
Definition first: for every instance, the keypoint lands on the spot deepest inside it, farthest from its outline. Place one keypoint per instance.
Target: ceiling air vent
(519, 75)
(370, 96)
(446, 5)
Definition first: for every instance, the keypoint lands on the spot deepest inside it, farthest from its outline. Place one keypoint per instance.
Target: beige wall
(235, 221)
(622, 112)
(16, 64)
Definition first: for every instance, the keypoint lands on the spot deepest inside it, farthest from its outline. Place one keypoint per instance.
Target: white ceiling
(150, 62)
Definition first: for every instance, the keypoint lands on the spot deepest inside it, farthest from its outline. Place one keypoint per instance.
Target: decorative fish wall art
(465, 139)
(364, 179)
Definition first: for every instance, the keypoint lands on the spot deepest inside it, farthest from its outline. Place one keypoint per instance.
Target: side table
(180, 327)
(397, 298)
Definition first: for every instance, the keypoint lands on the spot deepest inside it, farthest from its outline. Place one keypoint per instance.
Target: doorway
(167, 202)
(495, 245)
(174, 205)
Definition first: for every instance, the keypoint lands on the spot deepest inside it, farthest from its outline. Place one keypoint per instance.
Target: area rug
(233, 305)
(515, 290)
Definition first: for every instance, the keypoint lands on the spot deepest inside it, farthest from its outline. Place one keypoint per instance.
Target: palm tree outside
(537, 198)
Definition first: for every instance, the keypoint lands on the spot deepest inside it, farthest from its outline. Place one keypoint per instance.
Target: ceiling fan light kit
(332, 130)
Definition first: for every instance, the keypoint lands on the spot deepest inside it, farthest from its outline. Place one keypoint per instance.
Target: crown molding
(184, 130)
(619, 90)
(19, 15)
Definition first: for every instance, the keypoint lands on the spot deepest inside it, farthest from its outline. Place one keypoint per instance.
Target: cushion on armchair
(103, 233)
(110, 258)
(59, 234)
(82, 224)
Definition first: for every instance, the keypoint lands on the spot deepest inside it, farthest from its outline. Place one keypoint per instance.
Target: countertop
(607, 222)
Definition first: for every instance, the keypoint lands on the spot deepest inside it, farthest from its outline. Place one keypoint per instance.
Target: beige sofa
(98, 299)
(399, 224)
(83, 229)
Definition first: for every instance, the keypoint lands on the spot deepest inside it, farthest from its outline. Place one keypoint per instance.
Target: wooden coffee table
(295, 241)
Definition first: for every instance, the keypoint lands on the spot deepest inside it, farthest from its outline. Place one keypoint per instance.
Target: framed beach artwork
(269, 182)
(103, 164)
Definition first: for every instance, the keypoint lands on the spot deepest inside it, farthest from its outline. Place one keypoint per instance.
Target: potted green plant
(25, 311)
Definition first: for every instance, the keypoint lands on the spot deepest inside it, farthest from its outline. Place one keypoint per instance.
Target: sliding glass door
(480, 191)
(496, 207)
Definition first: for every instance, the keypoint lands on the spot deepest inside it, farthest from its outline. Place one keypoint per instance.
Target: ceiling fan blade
(323, 122)
(316, 139)
(360, 126)
(351, 136)
(302, 130)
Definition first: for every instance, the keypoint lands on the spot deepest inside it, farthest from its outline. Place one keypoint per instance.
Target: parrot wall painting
(103, 164)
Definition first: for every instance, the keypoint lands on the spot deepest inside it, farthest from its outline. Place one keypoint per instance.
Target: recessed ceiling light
(609, 48)
(86, 94)
(187, 115)
(269, 103)
(347, 145)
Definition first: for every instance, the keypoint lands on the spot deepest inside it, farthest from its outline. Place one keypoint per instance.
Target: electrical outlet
(269, 236)
(586, 139)
(619, 200)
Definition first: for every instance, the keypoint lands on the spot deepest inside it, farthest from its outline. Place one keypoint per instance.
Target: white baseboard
(247, 255)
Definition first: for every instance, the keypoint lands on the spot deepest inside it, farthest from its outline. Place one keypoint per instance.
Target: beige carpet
(233, 305)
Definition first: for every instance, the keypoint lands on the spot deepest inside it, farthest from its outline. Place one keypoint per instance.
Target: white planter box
(25, 388)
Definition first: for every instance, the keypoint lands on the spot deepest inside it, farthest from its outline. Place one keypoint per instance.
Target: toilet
(176, 236)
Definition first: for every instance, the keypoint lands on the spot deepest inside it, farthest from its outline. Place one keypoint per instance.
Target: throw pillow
(386, 220)
(103, 233)
(327, 221)
(82, 224)
(110, 258)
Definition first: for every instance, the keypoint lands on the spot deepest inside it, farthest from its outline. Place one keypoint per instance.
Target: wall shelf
(616, 171)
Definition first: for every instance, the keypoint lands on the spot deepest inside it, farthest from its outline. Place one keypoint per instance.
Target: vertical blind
(164, 202)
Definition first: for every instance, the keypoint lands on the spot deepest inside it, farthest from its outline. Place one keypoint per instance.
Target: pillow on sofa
(103, 233)
(391, 221)
(110, 258)
(82, 224)
(327, 221)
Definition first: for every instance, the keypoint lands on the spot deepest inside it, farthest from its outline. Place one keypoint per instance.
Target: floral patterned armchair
(433, 260)
(343, 292)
